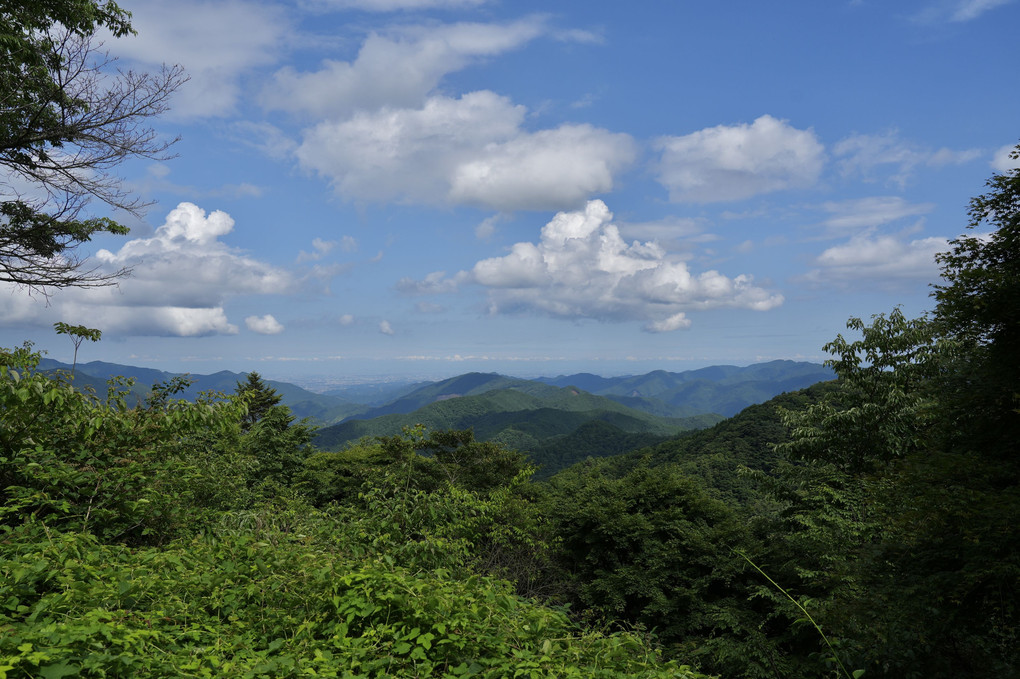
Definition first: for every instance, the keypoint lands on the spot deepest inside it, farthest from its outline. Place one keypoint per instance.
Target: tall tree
(258, 396)
(78, 334)
(978, 306)
(924, 425)
(67, 119)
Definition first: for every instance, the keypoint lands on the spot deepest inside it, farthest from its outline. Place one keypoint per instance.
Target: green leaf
(61, 669)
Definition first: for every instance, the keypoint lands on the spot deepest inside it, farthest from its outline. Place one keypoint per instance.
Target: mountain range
(322, 408)
(721, 389)
(556, 419)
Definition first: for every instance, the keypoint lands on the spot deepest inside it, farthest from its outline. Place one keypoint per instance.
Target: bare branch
(68, 119)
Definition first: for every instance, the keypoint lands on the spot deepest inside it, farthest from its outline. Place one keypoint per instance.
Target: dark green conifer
(259, 396)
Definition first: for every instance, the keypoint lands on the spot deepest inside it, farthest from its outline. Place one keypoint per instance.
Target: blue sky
(429, 187)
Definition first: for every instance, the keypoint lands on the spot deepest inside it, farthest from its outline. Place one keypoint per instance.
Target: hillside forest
(865, 526)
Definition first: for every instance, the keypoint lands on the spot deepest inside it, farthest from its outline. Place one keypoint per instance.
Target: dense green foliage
(259, 398)
(654, 538)
(716, 454)
(165, 540)
(919, 447)
(592, 439)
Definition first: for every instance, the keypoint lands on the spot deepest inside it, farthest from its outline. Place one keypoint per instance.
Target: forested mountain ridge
(522, 416)
(723, 389)
(468, 384)
(718, 389)
(747, 439)
(322, 408)
(557, 426)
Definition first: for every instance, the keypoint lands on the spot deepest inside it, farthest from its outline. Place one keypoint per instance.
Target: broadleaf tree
(68, 118)
(78, 334)
(925, 422)
(978, 305)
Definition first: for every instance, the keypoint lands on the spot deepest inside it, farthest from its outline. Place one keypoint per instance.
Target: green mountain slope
(516, 416)
(715, 454)
(469, 384)
(85, 382)
(593, 439)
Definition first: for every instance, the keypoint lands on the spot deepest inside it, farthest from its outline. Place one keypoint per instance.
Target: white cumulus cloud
(407, 153)
(385, 328)
(548, 169)
(733, 162)
(181, 278)
(466, 150)
(385, 129)
(263, 325)
(582, 268)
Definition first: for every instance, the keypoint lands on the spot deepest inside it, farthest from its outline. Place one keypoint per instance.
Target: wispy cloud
(1004, 160)
(864, 156)
(967, 10)
(321, 248)
(851, 216)
(216, 42)
(393, 5)
(395, 69)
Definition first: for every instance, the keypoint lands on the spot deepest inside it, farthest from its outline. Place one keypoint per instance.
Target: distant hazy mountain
(469, 384)
(324, 409)
(519, 413)
(723, 389)
(83, 381)
(661, 395)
